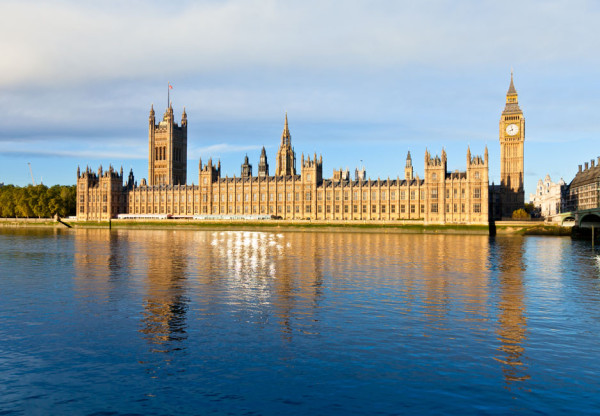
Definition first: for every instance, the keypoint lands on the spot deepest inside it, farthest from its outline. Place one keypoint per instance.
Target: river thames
(101, 322)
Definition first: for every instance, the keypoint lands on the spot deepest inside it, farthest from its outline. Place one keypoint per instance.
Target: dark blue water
(186, 322)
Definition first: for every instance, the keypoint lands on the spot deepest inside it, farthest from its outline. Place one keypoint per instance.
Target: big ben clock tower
(512, 138)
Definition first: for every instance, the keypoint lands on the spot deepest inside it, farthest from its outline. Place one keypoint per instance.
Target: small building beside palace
(302, 192)
(550, 198)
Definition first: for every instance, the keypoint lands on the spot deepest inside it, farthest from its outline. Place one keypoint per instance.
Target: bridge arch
(568, 221)
(589, 221)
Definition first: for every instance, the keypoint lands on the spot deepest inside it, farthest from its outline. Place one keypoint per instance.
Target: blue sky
(361, 81)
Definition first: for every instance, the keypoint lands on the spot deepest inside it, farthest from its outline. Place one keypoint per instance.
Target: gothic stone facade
(584, 189)
(440, 197)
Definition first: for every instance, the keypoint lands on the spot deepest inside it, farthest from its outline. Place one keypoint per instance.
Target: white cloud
(218, 149)
(78, 74)
(64, 42)
(113, 150)
(81, 154)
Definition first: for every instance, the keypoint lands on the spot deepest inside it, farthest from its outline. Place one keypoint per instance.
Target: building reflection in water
(454, 277)
(512, 321)
(436, 286)
(108, 263)
(100, 261)
(166, 303)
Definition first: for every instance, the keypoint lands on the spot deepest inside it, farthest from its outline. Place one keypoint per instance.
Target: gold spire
(512, 98)
(285, 136)
(286, 157)
(511, 88)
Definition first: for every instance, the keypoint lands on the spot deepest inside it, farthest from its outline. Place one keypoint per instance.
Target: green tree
(529, 208)
(41, 209)
(7, 201)
(520, 214)
(37, 201)
(22, 204)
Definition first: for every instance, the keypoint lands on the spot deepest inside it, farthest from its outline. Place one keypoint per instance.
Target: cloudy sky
(363, 82)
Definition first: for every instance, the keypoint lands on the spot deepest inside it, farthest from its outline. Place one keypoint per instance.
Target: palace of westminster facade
(440, 197)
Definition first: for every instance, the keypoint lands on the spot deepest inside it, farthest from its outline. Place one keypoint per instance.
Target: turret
(130, 180)
(209, 173)
(263, 166)
(360, 174)
(184, 118)
(312, 170)
(408, 169)
(246, 168)
(435, 167)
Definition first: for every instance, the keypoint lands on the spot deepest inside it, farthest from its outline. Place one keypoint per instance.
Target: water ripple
(158, 322)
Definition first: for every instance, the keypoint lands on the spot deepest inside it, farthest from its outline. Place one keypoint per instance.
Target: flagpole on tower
(168, 94)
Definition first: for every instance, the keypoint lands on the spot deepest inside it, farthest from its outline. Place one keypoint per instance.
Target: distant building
(584, 188)
(549, 198)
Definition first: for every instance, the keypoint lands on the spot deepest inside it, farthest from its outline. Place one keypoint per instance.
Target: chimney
(593, 163)
(579, 168)
(586, 166)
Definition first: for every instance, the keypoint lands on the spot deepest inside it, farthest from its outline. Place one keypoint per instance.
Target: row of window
(434, 208)
(308, 195)
(160, 153)
(434, 176)
(476, 193)
(271, 209)
(263, 197)
(104, 209)
(288, 209)
(93, 198)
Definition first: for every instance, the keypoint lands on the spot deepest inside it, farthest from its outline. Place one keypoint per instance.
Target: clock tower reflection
(512, 320)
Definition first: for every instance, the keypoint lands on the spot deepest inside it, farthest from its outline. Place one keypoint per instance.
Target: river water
(223, 322)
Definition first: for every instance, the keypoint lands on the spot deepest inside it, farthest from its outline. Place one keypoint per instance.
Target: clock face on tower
(512, 129)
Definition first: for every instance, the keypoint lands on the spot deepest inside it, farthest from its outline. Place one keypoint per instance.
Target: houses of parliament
(440, 197)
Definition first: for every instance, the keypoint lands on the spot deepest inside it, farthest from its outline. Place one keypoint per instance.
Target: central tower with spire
(286, 157)
(512, 139)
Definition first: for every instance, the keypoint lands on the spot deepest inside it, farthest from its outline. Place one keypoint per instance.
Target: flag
(170, 86)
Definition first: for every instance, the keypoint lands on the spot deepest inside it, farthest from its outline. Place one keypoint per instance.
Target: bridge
(586, 218)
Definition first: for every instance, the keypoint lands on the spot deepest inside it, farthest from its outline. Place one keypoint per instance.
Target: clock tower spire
(512, 139)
